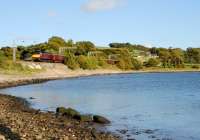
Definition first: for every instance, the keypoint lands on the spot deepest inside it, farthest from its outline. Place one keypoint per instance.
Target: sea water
(163, 106)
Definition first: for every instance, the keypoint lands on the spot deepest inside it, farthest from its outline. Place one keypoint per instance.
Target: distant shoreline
(7, 80)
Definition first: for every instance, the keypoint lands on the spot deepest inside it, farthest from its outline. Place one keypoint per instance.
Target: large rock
(67, 112)
(100, 119)
(84, 118)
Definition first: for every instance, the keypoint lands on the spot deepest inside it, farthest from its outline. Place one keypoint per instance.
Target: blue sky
(160, 23)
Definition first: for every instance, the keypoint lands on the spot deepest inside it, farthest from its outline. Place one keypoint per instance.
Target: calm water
(167, 103)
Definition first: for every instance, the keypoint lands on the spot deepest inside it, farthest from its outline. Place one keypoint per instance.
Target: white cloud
(100, 5)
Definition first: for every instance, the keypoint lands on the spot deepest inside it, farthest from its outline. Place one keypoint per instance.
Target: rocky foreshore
(19, 121)
(21, 82)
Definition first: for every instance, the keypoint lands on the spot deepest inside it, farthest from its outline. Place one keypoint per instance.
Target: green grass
(8, 67)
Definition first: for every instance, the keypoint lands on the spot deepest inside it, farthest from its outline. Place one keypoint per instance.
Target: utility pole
(14, 52)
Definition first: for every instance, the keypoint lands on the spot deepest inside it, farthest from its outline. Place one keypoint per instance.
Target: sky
(160, 23)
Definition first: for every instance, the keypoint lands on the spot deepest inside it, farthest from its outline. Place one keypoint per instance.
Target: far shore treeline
(125, 56)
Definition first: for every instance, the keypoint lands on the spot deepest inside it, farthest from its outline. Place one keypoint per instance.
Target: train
(48, 57)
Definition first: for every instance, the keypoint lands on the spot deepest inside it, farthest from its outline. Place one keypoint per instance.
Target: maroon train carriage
(47, 57)
(57, 58)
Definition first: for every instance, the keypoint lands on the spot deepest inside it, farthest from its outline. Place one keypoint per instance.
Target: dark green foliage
(2, 57)
(177, 58)
(56, 42)
(84, 118)
(154, 51)
(70, 43)
(195, 66)
(171, 57)
(128, 45)
(152, 62)
(120, 45)
(192, 55)
(84, 47)
(69, 112)
(7, 52)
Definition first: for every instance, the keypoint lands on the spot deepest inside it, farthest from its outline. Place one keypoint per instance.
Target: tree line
(85, 55)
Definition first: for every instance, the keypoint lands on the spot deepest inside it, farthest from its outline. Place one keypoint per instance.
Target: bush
(103, 63)
(152, 62)
(195, 67)
(87, 62)
(121, 64)
(71, 62)
(137, 65)
(125, 63)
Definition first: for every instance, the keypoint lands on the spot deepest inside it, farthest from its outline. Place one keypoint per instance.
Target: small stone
(66, 138)
(148, 131)
(123, 131)
(39, 137)
(2, 137)
(31, 98)
(94, 134)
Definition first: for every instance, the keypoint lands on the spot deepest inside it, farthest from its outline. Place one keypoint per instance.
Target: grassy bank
(11, 68)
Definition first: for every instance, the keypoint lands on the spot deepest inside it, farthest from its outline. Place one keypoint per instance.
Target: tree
(120, 45)
(56, 42)
(152, 62)
(193, 55)
(177, 57)
(8, 51)
(164, 55)
(129, 46)
(83, 47)
(137, 65)
(154, 51)
(70, 43)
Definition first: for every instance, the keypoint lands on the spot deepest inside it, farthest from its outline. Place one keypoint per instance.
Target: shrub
(87, 62)
(71, 62)
(102, 63)
(195, 67)
(125, 63)
(121, 64)
(152, 62)
(137, 65)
